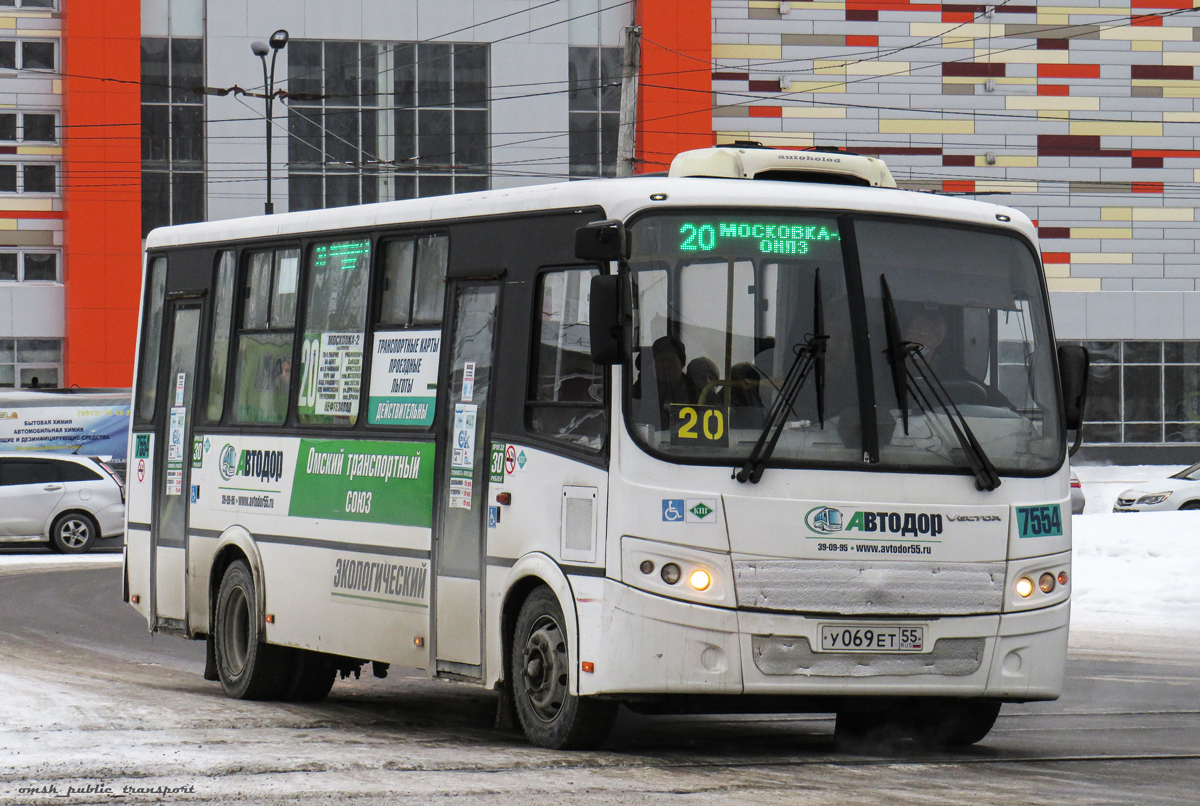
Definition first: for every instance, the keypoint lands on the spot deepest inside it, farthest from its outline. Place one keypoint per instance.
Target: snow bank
(1136, 572)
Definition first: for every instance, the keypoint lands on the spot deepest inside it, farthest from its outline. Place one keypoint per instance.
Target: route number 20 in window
(700, 426)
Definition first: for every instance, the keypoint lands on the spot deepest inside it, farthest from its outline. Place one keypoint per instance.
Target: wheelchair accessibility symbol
(672, 509)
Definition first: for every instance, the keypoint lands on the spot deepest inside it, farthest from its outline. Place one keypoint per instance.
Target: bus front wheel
(249, 668)
(539, 673)
(930, 723)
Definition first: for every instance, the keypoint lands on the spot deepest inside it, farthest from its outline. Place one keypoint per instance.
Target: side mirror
(1073, 362)
(605, 319)
(602, 241)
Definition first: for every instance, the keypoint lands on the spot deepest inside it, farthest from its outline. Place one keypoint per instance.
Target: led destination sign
(770, 237)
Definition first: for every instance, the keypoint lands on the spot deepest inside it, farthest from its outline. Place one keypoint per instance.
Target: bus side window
(156, 289)
(264, 339)
(566, 395)
(222, 320)
(407, 342)
(335, 324)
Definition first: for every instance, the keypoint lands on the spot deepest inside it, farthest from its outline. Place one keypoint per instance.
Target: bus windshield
(726, 302)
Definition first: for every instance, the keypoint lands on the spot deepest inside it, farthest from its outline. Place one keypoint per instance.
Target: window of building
(566, 395)
(28, 4)
(375, 121)
(36, 128)
(172, 132)
(30, 363)
(39, 179)
(264, 339)
(595, 109)
(28, 54)
(29, 178)
(19, 266)
(1143, 392)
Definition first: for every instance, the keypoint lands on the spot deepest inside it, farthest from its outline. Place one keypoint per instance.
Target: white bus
(762, 434)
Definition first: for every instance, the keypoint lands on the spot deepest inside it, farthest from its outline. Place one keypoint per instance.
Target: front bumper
(640, 643)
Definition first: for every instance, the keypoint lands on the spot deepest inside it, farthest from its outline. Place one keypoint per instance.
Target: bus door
(459, 545)
(168, 535)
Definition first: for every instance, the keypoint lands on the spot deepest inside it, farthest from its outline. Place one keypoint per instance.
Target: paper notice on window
(463, 444)
(404, 371)
(460, 493)
(289, 273)
(468, 390)
(175, 434)
(174, 482)
(331, 366)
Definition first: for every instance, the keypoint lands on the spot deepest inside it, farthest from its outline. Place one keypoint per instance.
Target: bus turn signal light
(588, 666)
(700, 580)
(1062, 577)
(1024, 587)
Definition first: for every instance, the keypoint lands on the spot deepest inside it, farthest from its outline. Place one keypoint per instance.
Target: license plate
(873, 638)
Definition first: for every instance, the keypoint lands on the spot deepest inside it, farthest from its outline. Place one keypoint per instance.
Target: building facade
(382, 99)
(69, 264)
(1083, 114)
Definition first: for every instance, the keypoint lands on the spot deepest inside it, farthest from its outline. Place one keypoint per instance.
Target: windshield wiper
(809, 356)
(906, 355)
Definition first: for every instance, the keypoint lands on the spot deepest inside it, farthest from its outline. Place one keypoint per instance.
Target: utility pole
(629, 88)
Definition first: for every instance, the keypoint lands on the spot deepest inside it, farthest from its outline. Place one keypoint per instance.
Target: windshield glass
(724, 301)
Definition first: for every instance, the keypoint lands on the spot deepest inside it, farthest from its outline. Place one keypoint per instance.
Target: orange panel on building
(101, 190)
(675, 90)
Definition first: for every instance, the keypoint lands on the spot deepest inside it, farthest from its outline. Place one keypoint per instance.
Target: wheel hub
(545, 664)
(74, 533)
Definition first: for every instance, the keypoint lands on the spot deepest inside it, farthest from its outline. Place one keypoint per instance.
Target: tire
(932, 724)
(73, 533)
(1190, 505)
(249, 668)
(540, 659)
(966, 722)
(311, 678)
(879, 732)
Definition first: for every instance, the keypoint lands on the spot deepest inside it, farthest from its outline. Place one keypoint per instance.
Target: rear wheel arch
(236, 543)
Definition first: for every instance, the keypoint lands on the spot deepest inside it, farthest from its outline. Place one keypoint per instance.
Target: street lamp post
(276, 43)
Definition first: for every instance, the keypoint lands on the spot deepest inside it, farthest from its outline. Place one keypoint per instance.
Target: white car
(1180, 491)
(64, 500)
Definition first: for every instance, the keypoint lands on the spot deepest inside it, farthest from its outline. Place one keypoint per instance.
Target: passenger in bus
(669, 358)
(700, 373)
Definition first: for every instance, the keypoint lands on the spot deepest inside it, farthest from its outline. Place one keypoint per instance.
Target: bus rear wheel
(539, 673)
(249, 668)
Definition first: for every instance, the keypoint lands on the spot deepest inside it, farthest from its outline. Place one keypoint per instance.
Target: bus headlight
(1024, 587)
(678, 572)
(1046, 582)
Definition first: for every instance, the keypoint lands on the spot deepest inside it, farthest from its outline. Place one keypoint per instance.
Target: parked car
(1179, 491)
(1077, 499)
(64, 500)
